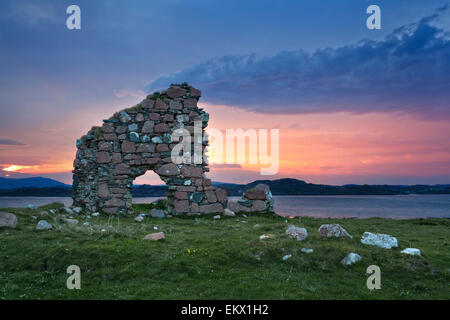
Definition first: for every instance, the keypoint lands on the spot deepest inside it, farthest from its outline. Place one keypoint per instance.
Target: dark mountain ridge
(286, 186)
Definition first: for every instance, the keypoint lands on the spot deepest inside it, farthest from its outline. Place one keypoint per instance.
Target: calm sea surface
(396, 207)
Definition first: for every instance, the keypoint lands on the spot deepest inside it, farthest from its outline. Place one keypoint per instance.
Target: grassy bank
(202, 258)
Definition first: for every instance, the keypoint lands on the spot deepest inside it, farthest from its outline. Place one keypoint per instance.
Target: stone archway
(136, 140)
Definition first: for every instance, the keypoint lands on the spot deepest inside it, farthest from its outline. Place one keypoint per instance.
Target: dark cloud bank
(407, 72)
(10, 142)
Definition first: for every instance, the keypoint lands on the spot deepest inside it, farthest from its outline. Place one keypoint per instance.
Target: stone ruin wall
(136, 140)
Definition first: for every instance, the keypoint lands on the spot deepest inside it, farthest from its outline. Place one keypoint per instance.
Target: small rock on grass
(217, 217)
(43, 225)
(67, 210)
(351, 258)
(411, 251)
(307, 250)
(139, 218)
(266, 236)
(155, 236)
(288, 256)
(77, 209)
(227, 212)
(31, 206)
(96, 214)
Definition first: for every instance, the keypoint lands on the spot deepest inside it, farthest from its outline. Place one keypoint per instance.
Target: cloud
(406, 72)
(10, 142)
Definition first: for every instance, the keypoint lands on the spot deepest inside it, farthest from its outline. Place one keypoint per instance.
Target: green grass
(205, 258)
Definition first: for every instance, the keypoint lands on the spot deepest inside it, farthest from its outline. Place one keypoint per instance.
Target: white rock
(77, 209)
(155, 228)
(265, 236)
(43, 225)
(351, 258)
(103, 230)
(227, 212)
(380, 240)
(86, 224)
(139, 218)
(296, 232)
(52, 211)
(307, 250)
(288, 256)
(411, 251)
(244, 215)
(31, 206)
(217, 217)
(96, 214)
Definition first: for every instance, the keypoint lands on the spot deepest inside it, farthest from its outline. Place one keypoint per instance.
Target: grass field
(203, 258)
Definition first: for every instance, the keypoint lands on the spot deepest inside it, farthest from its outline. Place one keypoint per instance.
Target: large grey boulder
(380, 240)
(8, 220)
(333, 231)
(296, 232)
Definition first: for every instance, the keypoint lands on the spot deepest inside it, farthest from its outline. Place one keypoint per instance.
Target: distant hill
(48, 188)
(36, 182)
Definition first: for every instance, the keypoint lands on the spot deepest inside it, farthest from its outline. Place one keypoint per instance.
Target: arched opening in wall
(148, 188)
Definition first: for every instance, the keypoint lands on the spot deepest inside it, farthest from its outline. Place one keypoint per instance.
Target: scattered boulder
(380, 240)
(157, 213)
(333, 231)
(155, 236)
(299, 233)
(307, 250)
(216, 217)
(266, 236)
(227, 212)
(43, 225)
(77, 209)
(67, 210)
(86, 224)
(411, 251)
(351, 258)
(8, 220)
(139, 218)
(288, 256)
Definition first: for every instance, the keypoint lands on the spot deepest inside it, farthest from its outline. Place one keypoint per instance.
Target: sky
(352, 105)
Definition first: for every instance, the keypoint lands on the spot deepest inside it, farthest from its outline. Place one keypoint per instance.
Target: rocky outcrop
(256, 199)
(138, 139)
